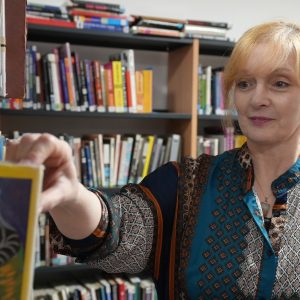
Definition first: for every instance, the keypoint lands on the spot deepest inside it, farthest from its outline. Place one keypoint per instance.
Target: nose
(260, 96)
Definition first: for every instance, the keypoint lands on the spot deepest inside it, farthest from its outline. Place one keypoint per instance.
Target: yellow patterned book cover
(20, 188)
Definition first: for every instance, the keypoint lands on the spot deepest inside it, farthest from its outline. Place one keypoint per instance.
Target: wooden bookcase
(181, 118)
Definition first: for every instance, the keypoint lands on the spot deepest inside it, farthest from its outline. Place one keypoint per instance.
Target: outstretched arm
(75, 210)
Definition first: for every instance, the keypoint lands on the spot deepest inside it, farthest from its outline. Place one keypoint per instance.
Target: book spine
(89, 84)
(103, 27)
(83, 88)
(104, 21)
(109, 87)
(118, 85)
(46, 85)
(139, 81)
(97, 86)
(148, 83)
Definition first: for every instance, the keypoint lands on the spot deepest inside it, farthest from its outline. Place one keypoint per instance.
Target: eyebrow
(244, 72)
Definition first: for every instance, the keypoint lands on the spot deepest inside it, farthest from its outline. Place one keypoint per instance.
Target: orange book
(69, 82)
(147, 87)
(139, 90)
(109, 87)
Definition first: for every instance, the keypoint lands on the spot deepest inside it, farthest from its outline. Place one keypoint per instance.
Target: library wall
(241, 14)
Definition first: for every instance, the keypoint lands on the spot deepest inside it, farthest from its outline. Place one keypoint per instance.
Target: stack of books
(149, 25)
(52, 14)
(93, 14)
(206, 29)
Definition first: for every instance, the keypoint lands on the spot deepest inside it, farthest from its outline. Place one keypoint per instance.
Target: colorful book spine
(98, 86)
(139, 81)
(103, 27)
(109, 87)
(118, 85)
(104, 21)
(148, 87)
(89, 84)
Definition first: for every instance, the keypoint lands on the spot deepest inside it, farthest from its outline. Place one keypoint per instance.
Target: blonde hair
(283, 39)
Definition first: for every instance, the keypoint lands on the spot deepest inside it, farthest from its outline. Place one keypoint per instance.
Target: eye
(243, 84)
(281, 84)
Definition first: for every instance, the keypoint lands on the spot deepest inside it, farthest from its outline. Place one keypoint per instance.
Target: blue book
(64, 84)
(103, 27)
(89, 85)
(2, 144)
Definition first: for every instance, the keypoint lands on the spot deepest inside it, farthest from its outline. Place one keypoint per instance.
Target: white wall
(240, 13)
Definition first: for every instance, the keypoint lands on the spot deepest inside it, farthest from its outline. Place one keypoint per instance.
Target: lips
(258, 120)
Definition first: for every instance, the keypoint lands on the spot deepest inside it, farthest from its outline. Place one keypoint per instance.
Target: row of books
(44, 255)
(101, 288)
(215, 144)
(211, 99)
(61, 80)
(103, 160)
(98, 15)
(115, 160)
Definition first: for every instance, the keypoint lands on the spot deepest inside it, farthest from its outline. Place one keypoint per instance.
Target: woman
(211, 228)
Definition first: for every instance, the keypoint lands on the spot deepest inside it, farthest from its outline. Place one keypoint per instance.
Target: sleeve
(129, 237)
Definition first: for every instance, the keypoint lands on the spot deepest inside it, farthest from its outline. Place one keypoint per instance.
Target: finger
(16, 148)
(47, 148)
(26, 142)
(11, 150)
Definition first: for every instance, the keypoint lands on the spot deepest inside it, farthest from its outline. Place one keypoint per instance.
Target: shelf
(71, 114)
(40, 33)
(216, 47)
(49, 276)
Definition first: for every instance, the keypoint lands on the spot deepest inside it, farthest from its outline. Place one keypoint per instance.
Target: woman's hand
(61, 186)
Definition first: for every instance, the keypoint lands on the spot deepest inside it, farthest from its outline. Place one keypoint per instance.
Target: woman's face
(268, 101)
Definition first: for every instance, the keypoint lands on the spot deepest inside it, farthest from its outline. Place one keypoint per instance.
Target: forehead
(266, 58)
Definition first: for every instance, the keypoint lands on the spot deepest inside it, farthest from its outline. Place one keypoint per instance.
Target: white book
(106, 163)
(112, 160)
(56, 103)
(2, 50)
(116, 159)
(101, 158)
(208, 107)
(175, 147)
(156, 154)
(138, 143)
(127, 57)
(121, 179)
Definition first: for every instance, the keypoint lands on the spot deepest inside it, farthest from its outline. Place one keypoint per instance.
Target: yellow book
(118, 85)
(148, 86)
(139, 85)
(151, 139)
(20, 188)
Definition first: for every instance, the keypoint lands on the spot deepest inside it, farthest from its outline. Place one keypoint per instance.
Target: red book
(128, 90)
(95, 13)
(97, 86)
(50, 22)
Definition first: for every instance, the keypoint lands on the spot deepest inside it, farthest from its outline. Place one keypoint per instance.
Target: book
(148, 87)
(209, 23)
(157, 31)
(127, 58)
(20, 188)
(50, 22)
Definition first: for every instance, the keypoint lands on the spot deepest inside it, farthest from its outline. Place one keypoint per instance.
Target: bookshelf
(181, 117)
(183, 60)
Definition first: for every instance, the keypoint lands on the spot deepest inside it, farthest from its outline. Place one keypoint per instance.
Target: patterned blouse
(198, 227)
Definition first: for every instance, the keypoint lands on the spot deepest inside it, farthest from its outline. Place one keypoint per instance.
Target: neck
(271, 161)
